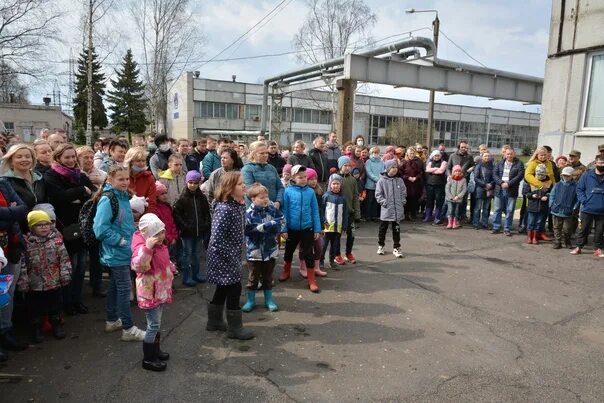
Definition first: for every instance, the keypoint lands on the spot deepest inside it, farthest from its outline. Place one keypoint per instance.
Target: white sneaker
(380, 250)
(397, 252)
(113, 326)
(133, 334)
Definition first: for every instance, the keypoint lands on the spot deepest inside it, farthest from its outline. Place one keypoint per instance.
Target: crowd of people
(147, 212)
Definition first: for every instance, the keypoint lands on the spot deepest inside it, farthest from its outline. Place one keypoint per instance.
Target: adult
(561, 162)
(359, 141)
(142, 181)
(196, 156)
(43, 156)
(348, 149)
(12, 211)
(373, 170)
(484, 190)
(18, 169)
(242, 151)
(389, 154)
(44, 133)
(274, 158)
(436, 179)
(442, 148)
(540, 156)
(183, 147)
(116, 155)
(332, 151)
(55, 140)
(592, 165)
(229, 161)
(463, 158)
(574, 161)
(550, 158)
(412, 172)
(507, 176)
(86, 161)
(357, 161)
(319, 159)
(67, 191)
(158, 161)
(590, 192)
(399, 154)
(211, 161)
(299, 157)
(419, 152)
(258, 170)
(102, 153)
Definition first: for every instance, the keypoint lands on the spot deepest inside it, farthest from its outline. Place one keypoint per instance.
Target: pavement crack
(446, 381)
(576, 315)
(265, 375)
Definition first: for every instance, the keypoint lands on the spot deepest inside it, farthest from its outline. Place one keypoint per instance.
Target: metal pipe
(485, 70)
(312, 75)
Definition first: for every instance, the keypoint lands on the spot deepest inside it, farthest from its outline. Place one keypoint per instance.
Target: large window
(9, 126)
(594, 107)
(301, 115)
(216, 110)
(252, 112)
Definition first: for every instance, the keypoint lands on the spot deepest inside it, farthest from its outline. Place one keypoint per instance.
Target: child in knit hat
(537, 206)
(335, 218)
(45, 268)
(391, 194)
(174, 178)
(351, 194)
(154, 275)
(138, 205)
(455, 191)
(286, 174)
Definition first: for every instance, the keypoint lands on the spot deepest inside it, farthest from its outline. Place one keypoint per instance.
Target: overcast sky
(507, 35)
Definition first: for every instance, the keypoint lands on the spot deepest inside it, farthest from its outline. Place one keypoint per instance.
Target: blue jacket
(261, 244)
(110, 234)
(335, 212)
(11, 215)
(300, 209)
(373, 171)
(483, 176)
(516, 176)
(211, 162)
(226, 243)
(590, 192)
(267, 176)
(563, 199)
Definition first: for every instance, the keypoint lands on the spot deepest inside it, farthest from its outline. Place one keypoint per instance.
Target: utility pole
(89, 85)
(435, 29)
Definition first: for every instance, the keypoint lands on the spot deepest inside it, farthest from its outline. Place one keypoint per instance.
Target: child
(351, 194)
(356, 173)
(313, 183)
(455, 191)
(173, 178)
(262, 224)
(537, 203)
(303, 224)
(154, 275)
(336, 218)
(391, 194)
(164, 212)
(286, 175)
(138, 205)
(192, 217)
(45, 268)
(563, 204)
(115, 238)
(224, 256)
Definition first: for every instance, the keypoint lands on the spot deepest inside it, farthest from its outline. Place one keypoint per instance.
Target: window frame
(587, 80)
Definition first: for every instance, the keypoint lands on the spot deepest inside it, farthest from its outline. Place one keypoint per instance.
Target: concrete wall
(575, 34)
(180, 107)
(28, 120)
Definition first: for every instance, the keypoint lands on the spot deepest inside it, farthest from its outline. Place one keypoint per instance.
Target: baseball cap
(575, 153)
(298, 168)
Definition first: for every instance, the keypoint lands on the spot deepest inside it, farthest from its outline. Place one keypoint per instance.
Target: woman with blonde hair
(142, 181)
(258, 170)
(299, 156)
(43, 156)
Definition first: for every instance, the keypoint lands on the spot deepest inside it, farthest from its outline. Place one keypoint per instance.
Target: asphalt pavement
(466, 316)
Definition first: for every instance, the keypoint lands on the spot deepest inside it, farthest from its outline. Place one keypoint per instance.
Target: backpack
(88, 212)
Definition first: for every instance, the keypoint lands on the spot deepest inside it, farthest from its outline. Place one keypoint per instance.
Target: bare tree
(406, 131)
(12, 90)
(170, 37)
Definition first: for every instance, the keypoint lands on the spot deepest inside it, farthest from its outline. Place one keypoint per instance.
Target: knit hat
(287, 168)
(335, 177)
(36, 217)
(389, 164)
(193, 176)
(541, 170)
(48, 209)
(138, 204)
(456, 168)
(160, 188)
(150, 225)
(343, 160)
(298, 168)
(568, 171)
(355, 170)
(311, 173)
(434, 154)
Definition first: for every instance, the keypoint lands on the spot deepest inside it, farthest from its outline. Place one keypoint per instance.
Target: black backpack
(88, 212)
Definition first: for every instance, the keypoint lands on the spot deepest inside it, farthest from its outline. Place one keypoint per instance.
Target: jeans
(534, 220)
(463, 207)
(435, 196)
(481, 206)
(6, 313)
(587, 221)
(454, 209)
(396, 233)
(79, 262)
(118, 296)
(229, 294)
(153, 323)
(333, 240)
(191, 247)
(507, 202)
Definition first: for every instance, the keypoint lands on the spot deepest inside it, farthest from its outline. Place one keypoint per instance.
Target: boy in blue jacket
(262, 224)
(303, 224)
(564, 206)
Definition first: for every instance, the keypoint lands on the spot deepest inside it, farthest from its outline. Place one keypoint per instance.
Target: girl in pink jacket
(154, 275)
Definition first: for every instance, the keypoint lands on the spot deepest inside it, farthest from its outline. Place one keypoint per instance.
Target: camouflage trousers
(563, 229)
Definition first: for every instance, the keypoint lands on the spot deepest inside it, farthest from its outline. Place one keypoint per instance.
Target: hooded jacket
(590, 192)
(261, 244)
(159, 162)
(300, 209)
(192, 214)
(374, 167)
(175, 184)
(335, 212)
(211, 162)
(350, 191)
(143, 185)
(267, 176)
(45, 265)
(226, 243)
(563, 199)
(391, 194)
(115, 237)
(154, 273)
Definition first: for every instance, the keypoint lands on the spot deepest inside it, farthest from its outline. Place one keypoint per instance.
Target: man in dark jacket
(333, 151)
(197, 155)
(464, 159)
(319, 159)
(590, 192)
(274, 158)
(507, 176)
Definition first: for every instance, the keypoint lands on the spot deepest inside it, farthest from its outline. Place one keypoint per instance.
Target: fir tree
(99, 114)
(127, 100)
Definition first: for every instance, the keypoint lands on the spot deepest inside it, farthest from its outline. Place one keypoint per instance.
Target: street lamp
(435, 29)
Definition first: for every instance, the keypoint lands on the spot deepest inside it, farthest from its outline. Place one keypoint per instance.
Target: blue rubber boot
(268, 301)
(186, 277)
(251, 301)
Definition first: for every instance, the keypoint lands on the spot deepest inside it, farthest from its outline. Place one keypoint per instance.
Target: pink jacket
(164, 212)
(154, 273)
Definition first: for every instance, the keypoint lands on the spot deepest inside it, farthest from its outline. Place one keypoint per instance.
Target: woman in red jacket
(142, 181)
(412, 172)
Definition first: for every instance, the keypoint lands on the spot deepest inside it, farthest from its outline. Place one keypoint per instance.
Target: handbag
(72, 232)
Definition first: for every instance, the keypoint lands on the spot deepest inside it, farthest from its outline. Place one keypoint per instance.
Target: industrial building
(28, 120)
(199, 106)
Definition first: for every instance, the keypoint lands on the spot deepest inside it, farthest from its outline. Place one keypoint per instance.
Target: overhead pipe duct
(303, 73)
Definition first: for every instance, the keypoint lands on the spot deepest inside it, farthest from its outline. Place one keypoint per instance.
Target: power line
(462, 49)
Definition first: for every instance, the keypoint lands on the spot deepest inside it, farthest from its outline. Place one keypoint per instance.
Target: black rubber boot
(163, 356)
(235, 326)
(150, 360)
(57, 329)
(10, 343)
(37, 336)
(216, 318)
